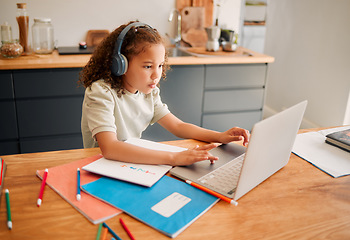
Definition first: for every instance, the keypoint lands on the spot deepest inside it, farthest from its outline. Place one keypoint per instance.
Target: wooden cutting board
(195, 37)
(208, 8)
(192, 17)
(94, 37)
(192, 26)
(202, 51)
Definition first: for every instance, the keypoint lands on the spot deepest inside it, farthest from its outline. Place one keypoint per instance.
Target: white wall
(310, 41)
(72, 19)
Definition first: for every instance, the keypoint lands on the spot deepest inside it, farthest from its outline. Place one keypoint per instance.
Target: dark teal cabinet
(217, 97)
(233, 96)
(182, 91)
(42, 109)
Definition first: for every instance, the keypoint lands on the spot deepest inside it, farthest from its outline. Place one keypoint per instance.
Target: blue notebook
(170, 206)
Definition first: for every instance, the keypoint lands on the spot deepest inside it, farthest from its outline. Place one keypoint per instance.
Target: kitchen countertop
(54, 60)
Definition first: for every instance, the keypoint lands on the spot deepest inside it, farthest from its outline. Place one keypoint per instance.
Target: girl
(122, 99)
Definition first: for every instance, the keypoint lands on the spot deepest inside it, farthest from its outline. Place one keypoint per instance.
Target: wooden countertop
(54, 60)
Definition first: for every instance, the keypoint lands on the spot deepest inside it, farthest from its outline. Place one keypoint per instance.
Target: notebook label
(171, 204)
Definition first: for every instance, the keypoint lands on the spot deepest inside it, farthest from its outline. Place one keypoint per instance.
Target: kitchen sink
(177, 52)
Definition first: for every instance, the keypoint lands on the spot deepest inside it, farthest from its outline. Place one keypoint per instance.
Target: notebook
(170, 206)
(63, 180)
(142, 174)
(268, 151)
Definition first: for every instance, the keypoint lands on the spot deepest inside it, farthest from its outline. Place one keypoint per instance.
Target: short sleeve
(99, 108)
(160, 109)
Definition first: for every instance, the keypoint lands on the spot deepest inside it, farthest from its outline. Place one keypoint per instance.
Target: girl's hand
(196, 154)
(235, 134)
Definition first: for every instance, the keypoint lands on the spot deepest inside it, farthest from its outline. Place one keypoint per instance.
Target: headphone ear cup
(125, 64)
(119, 65)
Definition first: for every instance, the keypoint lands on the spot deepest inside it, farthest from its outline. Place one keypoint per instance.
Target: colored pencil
(78, 184)
(126, 229)
(99, 231)
(40, 198)
(9, 221)
(104, 233)
(111, 231)
(227, 199)
(2, 170)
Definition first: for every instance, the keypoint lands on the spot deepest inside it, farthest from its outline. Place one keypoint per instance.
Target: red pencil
(40, 198)
(126, 229)
(2, 170)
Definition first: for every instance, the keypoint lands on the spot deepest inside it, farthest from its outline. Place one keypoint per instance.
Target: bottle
(23, 25)
(43, 38)
(6, 33)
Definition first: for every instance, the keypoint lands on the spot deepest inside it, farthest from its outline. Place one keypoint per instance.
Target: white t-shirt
(128, 116)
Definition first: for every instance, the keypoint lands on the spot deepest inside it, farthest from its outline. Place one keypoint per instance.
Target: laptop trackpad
(225, 153)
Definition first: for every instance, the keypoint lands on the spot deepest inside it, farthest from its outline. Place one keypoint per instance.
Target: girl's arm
(187, 130)
(114, 149)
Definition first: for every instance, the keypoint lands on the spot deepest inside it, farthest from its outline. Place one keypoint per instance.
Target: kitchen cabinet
(216, 97)
(44, 110)
(8, 122)
(182, 91)
(233, 96)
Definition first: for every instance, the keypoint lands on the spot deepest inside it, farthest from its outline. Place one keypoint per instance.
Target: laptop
(243, 168)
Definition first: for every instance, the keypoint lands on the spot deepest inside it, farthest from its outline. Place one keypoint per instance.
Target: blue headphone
(119, 61)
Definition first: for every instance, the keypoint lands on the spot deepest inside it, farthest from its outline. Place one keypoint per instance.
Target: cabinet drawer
(183, 92)
(233, 76)
(225, 121)
(43, 117)
(47, 83)
(6, 86)
(9, 147)
(233, 100)
(8, 122)
(51, 143)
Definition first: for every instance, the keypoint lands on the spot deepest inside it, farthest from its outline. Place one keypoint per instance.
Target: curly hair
(135, 42)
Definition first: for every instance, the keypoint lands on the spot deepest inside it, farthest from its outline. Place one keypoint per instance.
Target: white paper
(142, 174)
(171, 204)
(330, 159)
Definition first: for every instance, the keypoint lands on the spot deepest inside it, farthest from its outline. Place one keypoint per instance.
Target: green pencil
(9, 221)
(99, 232)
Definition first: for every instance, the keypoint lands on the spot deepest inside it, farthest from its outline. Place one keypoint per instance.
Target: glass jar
(11, 49)
(23, 25)
(6, 32)
(43, 38)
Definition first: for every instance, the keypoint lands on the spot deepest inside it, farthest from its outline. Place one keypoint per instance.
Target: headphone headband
(120, 39)
(119, 61)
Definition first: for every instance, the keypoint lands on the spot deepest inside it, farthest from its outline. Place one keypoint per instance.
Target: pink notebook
(63, 180)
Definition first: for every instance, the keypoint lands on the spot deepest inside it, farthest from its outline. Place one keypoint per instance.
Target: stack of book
(340, 139)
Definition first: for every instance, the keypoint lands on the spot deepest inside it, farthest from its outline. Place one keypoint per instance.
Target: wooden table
(298, 202)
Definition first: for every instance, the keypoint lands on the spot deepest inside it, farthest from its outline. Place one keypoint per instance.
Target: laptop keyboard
(224, 178)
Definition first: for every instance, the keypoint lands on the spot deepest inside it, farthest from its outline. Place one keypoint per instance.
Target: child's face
(145, 70)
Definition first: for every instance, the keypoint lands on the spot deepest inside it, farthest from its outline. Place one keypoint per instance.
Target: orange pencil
(104, 233)
(229, 200)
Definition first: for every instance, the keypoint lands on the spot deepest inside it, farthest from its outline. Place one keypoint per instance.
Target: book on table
(63, 180)
(142, 174)
(340, 139)
(169, 206)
